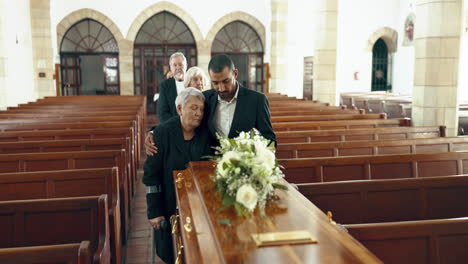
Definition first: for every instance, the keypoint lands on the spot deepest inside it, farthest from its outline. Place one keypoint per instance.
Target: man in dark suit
(169, 89)
(231, 108)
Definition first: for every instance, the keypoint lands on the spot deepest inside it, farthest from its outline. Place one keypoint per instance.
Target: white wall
(123, 12)
(17, 81)
(301, 28)
(357, 21)
(463, 64)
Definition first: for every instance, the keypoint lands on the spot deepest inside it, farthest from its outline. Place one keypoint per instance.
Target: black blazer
(171, 156)
(252, 111)
(166, 101)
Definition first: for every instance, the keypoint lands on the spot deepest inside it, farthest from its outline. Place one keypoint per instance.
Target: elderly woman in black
(180, 139)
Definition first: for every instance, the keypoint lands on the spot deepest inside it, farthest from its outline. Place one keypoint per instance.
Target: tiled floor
(139, 247)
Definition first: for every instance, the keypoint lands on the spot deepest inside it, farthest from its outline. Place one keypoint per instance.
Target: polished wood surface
(341, 124)
(327, 169)
(427, 241)
(78, 253)
(331, 117)
(50, 221)
(62, 184)
(374, 147)
(209, 241)
(382, 133)
(371, 201)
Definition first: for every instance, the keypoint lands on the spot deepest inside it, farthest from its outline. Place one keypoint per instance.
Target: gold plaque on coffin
(283, 238)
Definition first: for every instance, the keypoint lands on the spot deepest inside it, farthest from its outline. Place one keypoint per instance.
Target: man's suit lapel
(172, 96)
(213, 103)
(237, 118)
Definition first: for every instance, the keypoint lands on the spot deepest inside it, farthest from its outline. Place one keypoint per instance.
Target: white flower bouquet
(247, 172)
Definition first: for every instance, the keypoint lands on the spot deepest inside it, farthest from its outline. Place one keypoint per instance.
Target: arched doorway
(89, 60)
(240, 41)
(381, 67)
(160, 36)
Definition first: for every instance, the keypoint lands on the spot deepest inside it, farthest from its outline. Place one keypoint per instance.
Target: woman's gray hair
(196, 71)
(187, 93)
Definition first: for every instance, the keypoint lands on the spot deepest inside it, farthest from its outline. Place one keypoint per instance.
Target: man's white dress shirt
(225, 114)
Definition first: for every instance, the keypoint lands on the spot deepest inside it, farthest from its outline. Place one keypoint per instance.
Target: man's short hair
(219, 62)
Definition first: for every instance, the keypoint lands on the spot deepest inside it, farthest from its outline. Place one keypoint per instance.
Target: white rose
(266, 157)
(221, 170)
(230, 156)
(247, 196)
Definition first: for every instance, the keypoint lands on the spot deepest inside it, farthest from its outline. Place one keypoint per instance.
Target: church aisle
(140, 243)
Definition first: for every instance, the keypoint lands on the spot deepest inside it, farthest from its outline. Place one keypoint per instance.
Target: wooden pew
(341, 124)
(425, 241)
(375, 167)
(72, 126)
(374, 147)
(317, 112)
(76, 145)
(77, 253)
(305, 118)
(387, 133)
(69, 183)
(99, 133)
(51, 221)
(29, 162)
(304, 108)
(371, 201)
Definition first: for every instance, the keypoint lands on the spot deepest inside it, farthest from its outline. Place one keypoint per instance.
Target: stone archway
(388, 35)
(126, 85)
(147, 14)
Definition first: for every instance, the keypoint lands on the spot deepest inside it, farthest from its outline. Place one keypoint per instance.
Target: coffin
(200, 237)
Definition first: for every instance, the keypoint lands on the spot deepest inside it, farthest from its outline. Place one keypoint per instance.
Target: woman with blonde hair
(196, 77)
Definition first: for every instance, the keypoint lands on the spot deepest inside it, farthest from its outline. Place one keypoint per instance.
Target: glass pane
(111, 62)
(70, 76)
(111, 75)
(237, 37)
(136, 61)
(137, 76)
(164, 28)
(67, 46)
(136, 52)
(70, 61)
(112, 89)
(89, 36)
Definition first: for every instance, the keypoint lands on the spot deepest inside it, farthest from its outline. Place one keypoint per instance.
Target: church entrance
(89, 61)
(158, 38)
(381, 67)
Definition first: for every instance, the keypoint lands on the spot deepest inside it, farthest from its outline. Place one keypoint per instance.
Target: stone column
(437, 44)
(324, 87)
(43, 60)
(126, 67)
(203, 55)
(279, 46)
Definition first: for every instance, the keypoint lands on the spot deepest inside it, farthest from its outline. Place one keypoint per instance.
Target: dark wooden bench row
(386, 133)
(305, 118)
(317, 112)
(76, 253)
(371, 201)
(309, 170)
(77, 145)
(57, 221)
(341, 124)
(31, 162)
(425, 241)
(69, 183)
(374, 147)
